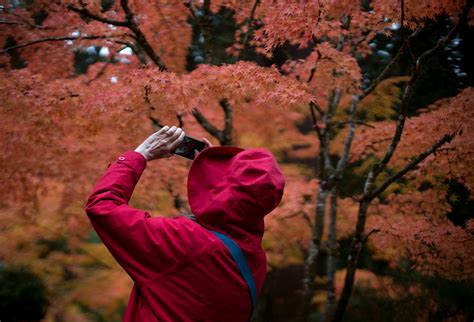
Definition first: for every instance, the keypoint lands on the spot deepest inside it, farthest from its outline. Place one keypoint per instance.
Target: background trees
(367, 105)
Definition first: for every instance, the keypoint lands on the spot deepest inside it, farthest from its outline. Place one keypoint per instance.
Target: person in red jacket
(181, 271)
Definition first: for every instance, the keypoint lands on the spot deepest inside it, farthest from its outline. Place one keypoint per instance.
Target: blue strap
(239, 258)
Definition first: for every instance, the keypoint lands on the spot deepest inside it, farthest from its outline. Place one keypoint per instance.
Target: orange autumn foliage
(59, 131)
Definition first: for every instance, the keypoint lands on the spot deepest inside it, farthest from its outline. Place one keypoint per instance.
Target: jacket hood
(231, 189)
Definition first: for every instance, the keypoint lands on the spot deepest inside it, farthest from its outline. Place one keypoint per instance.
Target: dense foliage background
(368, 106)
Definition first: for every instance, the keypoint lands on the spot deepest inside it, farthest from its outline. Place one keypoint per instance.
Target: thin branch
(294, 214)
(9, 176)
(402, 31)
(312, 107)
(340, 124)
(313, 69)
(141, 56)
(46, 39)
(410, 166)
(249, 30)
(314, 104)
(190, 7)
(146, 96)
(308, 220)
(373, 231)
(389, 66)
(102, 70)
(24, 20)
(6, 22)
(85, 12)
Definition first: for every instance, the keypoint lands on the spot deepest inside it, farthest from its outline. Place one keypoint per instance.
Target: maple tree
(61, 127)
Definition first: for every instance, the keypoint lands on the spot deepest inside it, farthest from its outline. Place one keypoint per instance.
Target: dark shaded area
(59, 244)
(23, 295)
(219, 28)
(462, 205)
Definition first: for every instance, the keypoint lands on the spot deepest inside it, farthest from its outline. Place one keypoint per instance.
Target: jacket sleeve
(144, 246)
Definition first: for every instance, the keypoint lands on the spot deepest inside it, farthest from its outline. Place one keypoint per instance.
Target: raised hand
(161, 143)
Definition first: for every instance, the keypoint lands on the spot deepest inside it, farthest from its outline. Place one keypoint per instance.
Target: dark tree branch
(146, 96)
(228, 120)
(46, 39)
(249, 30)
(208, 126)
(341, 124)
(191, 9)
(313, 69)
(85, 12)
(313, 115)
(141, 56)
(129, 23)
(26, 23)
(179, 116)
(373, 231)
(410, 166)
(24, 20)
(402, 31)
(140, 37)
(315, 105)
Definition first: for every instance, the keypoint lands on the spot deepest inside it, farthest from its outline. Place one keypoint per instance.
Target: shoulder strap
(239, 258)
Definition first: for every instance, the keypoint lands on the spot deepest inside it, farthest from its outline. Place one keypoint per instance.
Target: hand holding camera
(168, 141)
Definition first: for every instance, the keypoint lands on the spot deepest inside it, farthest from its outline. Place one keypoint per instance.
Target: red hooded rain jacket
(181, 271)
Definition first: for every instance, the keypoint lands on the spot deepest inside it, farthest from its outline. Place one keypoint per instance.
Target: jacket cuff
(134, 160)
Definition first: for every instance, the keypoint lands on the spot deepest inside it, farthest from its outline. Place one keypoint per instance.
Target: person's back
(181, 270)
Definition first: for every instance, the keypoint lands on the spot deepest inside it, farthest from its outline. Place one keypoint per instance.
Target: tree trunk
(331, 256)
(313, 252)
(352, 259)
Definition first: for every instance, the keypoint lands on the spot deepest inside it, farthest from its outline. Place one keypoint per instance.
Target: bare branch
(46, 39)
(410, 166)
